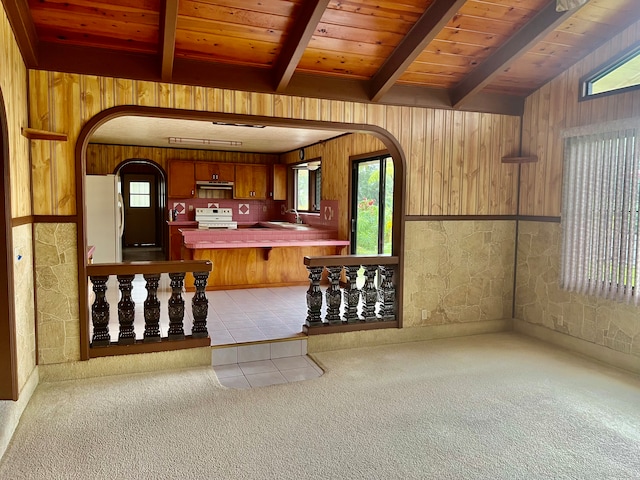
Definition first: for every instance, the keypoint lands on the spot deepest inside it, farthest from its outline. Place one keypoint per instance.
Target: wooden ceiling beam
(428, 26)
(528, 36)
(297, 42)
(95, 61)
(24, 29)
(168, 27)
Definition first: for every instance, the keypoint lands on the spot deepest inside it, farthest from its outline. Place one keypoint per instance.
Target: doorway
(372, 206)
(143, 197)
(8, 354)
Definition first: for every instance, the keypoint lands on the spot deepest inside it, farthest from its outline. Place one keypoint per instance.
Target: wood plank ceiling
(484, 55)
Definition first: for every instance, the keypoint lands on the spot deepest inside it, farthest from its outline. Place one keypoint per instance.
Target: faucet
(293, 210)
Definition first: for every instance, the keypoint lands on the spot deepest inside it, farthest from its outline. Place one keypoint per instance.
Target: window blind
(600, 211)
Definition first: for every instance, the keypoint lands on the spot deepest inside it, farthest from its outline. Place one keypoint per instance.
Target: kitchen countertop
(272, 234)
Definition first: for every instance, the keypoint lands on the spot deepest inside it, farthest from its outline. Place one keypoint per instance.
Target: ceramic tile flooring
(256, 334)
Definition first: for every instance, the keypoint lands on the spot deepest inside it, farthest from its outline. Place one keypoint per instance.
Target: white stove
(208, 218)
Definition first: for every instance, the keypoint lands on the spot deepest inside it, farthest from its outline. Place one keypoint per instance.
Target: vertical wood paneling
(415, 168)
(437, 160)
(554, 107)
(104, 159)
(451, 156)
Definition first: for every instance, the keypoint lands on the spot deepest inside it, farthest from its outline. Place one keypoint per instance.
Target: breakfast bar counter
(259, 255)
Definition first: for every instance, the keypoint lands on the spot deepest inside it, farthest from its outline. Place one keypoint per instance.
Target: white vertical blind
(600, 217)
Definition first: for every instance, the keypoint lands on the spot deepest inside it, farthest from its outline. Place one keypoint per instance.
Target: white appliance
(105, 217)
(215, 218)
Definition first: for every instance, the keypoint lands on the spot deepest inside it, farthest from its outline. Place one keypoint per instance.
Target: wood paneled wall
(335, 168)
(555, 107)
(453, 158)
(103, 159)
(13, 81)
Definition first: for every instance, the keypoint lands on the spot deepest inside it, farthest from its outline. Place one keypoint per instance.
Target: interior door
(372, 206)
(139, 194)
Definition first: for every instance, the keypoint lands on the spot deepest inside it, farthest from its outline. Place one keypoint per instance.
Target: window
(620, 74)
(600, 210)
(307, 180)
(139, 195)
(372, 206)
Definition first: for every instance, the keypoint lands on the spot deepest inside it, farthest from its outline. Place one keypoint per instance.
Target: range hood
(214, 185)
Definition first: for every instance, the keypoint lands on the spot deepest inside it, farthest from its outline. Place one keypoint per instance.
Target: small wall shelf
(33, 134)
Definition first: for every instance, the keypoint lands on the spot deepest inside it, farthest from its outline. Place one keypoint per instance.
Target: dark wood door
(139, 195)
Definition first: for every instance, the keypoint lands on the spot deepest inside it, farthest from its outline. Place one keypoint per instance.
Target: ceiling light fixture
(203, 141)
(226, 124)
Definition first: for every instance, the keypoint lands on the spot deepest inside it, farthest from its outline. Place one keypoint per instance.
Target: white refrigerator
(105, 217)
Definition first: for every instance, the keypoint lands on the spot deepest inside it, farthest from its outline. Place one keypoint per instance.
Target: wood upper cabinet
(279, 182)
(224, 172)
(182, 180)
(251, 182)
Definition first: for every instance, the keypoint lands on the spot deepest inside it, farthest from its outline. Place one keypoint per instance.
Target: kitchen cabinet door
(279, 182)
(251, 182)
(182, 180)
(223, 172)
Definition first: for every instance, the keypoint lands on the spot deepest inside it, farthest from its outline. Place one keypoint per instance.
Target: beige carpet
(486, 407)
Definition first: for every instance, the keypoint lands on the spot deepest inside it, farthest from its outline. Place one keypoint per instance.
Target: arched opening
(390, 143)
(8, 354)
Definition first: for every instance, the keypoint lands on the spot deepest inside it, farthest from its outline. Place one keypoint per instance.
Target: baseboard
(11, 412)
(603, 354)
(387, 336)
(127, 364)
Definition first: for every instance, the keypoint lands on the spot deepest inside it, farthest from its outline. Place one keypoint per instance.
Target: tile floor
(263, 364)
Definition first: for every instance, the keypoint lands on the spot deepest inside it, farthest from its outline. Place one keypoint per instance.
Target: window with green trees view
(372, 203)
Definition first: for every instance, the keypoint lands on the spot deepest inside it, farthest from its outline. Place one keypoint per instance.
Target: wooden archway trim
(390, 142)
(8, 351)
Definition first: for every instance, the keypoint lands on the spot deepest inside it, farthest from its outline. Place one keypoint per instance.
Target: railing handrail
(348, 260)
(133, 268)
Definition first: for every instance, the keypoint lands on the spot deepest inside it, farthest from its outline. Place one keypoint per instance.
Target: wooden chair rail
(344, 260)
(133, 268)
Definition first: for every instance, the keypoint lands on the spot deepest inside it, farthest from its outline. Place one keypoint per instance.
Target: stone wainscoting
(541, 301)
(458, 271)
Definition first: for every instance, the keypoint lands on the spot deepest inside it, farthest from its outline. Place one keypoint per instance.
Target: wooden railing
(151, 341)
(348, 307)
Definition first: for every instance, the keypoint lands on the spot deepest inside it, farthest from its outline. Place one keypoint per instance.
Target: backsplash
(252, 211)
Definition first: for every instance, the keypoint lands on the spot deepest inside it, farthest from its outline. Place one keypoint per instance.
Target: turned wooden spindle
(176, 307)
(200, 305)
(369, 294)
(333, 296)
(387, 294)
(314, 297)
(126, 311)
(351, 294)
(100, 313)
(152, 309)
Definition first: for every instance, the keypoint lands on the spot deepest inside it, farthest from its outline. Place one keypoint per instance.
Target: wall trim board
(18, 221)
(11, 414)
(599, 353)
(535, 218)
(387, 336)
(447, 218)
(55, 218)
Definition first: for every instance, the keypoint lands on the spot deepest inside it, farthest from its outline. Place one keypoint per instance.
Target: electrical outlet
(425, 314)
(264, 209)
